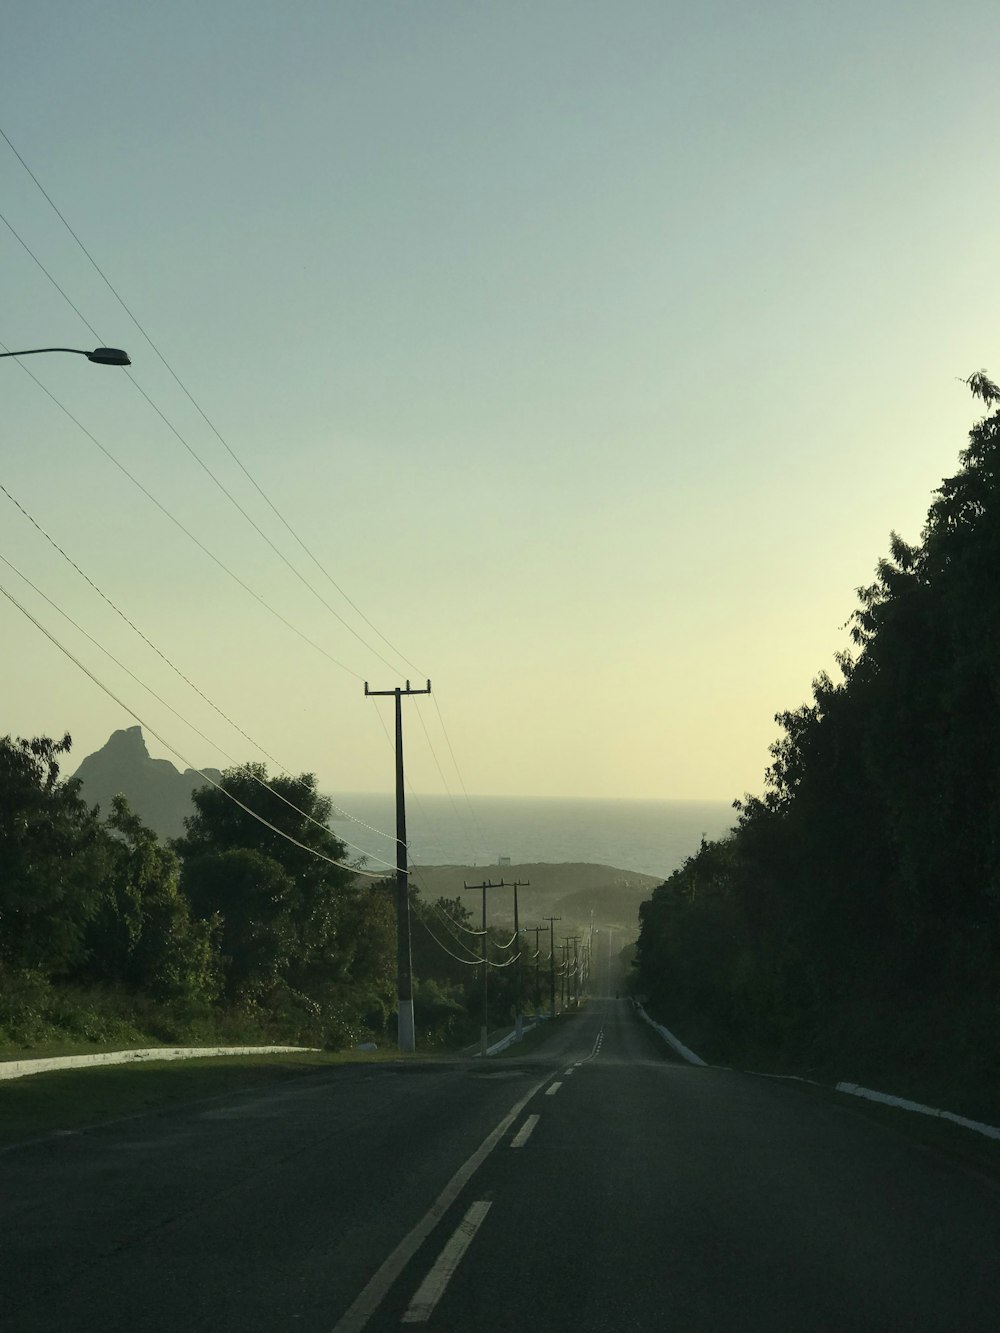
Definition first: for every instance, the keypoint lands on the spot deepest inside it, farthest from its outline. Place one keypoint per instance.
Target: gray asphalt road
(645, 1195)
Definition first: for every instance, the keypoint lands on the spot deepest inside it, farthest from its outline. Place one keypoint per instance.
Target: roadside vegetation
(232, 934)
(62, 1101)
(849, 926)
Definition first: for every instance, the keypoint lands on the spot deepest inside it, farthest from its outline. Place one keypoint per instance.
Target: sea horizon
(647, 835)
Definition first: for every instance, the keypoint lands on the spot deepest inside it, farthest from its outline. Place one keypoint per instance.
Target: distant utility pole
(486, 967)
(537, 930)
(518, 1023)
(405, 1030)
(552, 963)
(575, 974)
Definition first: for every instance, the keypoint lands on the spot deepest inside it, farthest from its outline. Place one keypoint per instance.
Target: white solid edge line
(432, 1288)
(551, 1091)
(374, 1292)
(524, 1133)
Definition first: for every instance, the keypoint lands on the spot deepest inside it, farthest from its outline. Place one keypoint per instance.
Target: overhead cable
(187, 532)
(264, 496)
(437, 764)
(468, 962)
(208, 740)
(344, 865)
(454, 760)
(106, 280)
(173, 666)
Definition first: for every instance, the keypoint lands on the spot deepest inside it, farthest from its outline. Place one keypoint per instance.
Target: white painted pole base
(406, 1036)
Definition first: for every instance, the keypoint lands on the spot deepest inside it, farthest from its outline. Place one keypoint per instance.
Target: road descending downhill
(593, 1183)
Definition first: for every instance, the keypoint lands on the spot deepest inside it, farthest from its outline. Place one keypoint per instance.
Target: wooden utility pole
(537, 930)
(405, 1030)
(518, 1024)
(564, 972)
(486, 967)
(552, 963)
(575, 974)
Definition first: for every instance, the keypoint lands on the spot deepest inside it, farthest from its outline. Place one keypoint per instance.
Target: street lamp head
(109, 356)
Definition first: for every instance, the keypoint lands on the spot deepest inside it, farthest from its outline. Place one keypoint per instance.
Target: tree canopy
(866, 878)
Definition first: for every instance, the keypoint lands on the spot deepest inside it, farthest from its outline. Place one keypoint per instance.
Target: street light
(104, 356)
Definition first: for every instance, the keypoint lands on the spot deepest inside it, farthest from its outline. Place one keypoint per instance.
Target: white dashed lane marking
(432, 1288)
(524, 1133)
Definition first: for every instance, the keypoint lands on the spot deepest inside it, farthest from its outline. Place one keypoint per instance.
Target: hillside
(158, 793)
(569, 890)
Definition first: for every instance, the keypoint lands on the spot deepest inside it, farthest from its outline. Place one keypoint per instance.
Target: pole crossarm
(371, 694)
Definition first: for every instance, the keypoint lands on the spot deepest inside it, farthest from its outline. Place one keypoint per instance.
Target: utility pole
(518, 1024)
(405, 1030)
(563, 972)
(552, 963)
(538, 993)
(575, 974)
(486, 884)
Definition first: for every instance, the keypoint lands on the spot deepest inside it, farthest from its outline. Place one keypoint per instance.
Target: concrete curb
(904, 1104)
(504, 1042)
(22, 1068)
(669, 1037)
(855, 1089)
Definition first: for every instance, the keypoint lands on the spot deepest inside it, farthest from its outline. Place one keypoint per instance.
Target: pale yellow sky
(594, 348)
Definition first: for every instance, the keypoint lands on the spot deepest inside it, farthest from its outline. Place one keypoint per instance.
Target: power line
(468, 962)
(293, 532)
(232, 453)
(446, 922)
(458, 924)
(208, 740)
(437, 764)
(344, 865)
(468, 801)
(187, 532)
(253, 523)
(173, 666)
(19, 238)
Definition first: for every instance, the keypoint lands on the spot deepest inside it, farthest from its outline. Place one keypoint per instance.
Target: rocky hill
(156, 791)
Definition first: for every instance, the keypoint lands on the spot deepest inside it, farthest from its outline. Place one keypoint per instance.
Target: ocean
(653, 837)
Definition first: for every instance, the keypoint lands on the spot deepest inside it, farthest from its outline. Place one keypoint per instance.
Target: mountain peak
(156, 791)
(127, 741)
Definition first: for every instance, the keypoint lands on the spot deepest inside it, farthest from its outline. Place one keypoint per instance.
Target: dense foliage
(251, 926)
(852, 918)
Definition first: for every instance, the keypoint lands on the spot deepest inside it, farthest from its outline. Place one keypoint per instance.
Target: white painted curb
(21, 1068)
(669, 1037)
(510, 1038)
(502, 1044)
(855, 1089)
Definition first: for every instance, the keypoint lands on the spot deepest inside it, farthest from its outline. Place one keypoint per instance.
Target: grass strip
(76, 1099)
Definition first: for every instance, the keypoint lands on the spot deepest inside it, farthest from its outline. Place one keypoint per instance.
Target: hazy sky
(594, 349)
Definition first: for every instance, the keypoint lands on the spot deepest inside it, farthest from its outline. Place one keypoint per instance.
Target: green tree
(295, 919)
(51, 857)
(143, 935)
